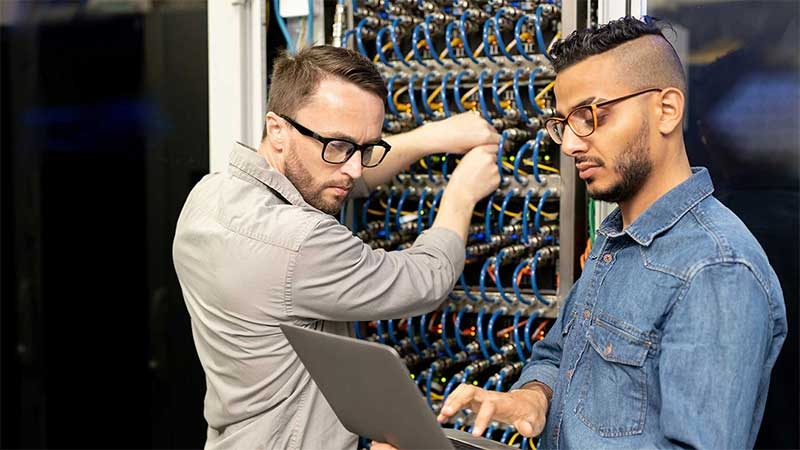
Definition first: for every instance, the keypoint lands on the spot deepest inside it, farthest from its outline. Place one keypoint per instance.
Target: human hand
(476, 176)
(381, 446)
(458, 133)
(525, 408)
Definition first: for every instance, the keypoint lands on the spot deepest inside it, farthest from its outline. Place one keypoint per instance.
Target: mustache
(344, 184)
(589, 159)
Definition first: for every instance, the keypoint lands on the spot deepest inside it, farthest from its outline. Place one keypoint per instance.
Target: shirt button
(569, 374)
(608, 257)
(587, 313)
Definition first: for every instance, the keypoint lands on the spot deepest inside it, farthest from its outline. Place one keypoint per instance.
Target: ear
(276, 131)
(670, 110)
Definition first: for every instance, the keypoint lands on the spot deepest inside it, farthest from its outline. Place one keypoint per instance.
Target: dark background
(104, 130)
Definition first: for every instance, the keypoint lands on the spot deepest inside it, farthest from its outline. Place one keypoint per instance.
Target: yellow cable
(513, 438)
(508, 213)
(546, 215)
(540, 96)
(541, 166)
(478, 50)
(464, 98)
(405, 107)
(385, 47)
(531, 445)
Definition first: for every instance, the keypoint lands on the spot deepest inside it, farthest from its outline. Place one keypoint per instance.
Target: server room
(399, 224)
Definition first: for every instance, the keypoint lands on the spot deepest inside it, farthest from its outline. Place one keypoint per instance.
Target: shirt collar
(246, 161)
(664, 212)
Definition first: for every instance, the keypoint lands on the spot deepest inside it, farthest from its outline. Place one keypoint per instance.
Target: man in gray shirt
(257, 246)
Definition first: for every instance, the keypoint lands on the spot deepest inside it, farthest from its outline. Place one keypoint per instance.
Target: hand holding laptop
(524, 408)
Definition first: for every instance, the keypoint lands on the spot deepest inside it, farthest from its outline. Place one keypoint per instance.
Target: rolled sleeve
(336, 276)
(545, 358)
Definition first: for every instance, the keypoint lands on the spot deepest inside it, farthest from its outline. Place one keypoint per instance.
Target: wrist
(539, 387)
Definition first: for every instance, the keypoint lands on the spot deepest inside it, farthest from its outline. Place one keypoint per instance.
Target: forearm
(407, 148)
(455, 213)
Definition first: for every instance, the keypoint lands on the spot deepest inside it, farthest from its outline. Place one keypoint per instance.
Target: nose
(572, 144)
(352, 167)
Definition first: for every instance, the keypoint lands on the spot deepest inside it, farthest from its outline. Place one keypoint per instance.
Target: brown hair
(297, 77)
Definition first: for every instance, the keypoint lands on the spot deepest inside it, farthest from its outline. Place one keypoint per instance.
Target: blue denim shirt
(669, 336)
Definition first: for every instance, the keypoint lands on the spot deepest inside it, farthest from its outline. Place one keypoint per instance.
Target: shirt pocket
(613, 396)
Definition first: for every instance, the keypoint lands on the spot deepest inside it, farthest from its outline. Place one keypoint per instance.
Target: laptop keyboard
(458, 445)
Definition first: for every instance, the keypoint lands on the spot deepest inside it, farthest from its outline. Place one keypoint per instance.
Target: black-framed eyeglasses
(339, 151)
(583, 119)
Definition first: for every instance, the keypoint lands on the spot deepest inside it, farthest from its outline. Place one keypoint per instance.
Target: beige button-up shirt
(250, 254)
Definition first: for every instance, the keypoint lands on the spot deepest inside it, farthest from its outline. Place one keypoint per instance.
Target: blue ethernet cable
(423, 329)
(390, 94)
(495, 95)
(346, 36)
(518, 98)
(517, 33)
(360, 38)
(392, 337)
(528, 326)
(489, 383)
(387, 215)
(421, 208)
(515, 334)
(445, 160)
(429, 40)
(448, 37)
(479, 326)
(487, 216)
(459, 316)
(357, 329)
(482, 96)
(411, 338)
(500, 377)
(457, 90)
(379, 331)
(415, 45)
(482, 280)
(536, 145)
(395, 44)
(434, 204)
(525, 214)
(379, 46)
(504, 205)
(486, 29)
(282, 26)
(506, 434)
(500, 153)
(532, 91)
(500, 289)
(443, 94)
(450, 385)
(365, 208)
(399, 208)
(534, 284)
(499, 36)
(518, 160)
(539, 208)
(443, 322)
(462, 28)
(466, 289)
(424, 93)
(498, 312)
(539, 37)
(429, 167)
(517, 291)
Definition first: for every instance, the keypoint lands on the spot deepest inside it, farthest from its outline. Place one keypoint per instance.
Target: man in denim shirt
(669, 336)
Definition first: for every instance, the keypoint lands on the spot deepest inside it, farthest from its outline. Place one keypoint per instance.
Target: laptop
(371, 392)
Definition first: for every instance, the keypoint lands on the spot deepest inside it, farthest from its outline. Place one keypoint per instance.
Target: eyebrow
(346, 137)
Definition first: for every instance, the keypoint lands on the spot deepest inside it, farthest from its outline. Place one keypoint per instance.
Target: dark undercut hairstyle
(657, 62)
(296, 77)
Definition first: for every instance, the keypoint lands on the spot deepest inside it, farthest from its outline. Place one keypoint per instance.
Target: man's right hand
(524, 408)
(476, 176)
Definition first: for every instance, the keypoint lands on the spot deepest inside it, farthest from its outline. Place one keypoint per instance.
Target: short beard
(634, 166)
(303, 181)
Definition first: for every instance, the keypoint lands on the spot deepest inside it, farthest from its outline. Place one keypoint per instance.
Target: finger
(462, 396)
(524, 427)
(483, 418)
(381, 446)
